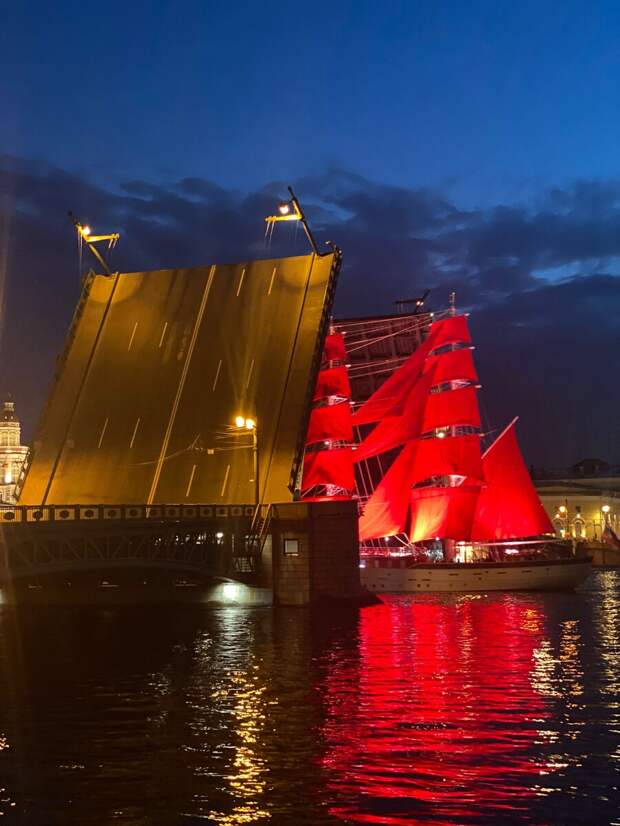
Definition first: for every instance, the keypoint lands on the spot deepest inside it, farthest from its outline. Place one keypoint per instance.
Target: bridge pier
(315, 553)
(305, 552)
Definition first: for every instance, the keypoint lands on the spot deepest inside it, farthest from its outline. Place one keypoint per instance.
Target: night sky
(444, 145)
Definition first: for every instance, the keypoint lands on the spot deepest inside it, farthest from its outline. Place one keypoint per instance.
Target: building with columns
(582, 499)
(12, 453)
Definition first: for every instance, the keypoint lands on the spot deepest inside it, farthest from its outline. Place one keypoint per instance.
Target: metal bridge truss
(208, 540)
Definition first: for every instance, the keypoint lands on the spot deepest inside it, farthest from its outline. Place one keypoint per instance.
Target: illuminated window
(291, 547)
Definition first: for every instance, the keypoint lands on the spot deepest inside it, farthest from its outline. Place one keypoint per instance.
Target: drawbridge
(157, 366)
(136, 459)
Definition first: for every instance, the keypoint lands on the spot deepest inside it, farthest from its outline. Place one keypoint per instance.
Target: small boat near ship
(447, 516)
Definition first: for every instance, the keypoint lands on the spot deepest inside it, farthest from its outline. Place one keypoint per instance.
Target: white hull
(551, 575)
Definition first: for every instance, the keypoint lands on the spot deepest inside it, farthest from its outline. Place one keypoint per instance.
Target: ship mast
(449, 545)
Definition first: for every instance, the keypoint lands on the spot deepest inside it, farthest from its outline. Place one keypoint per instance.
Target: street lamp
(605, 509)
(563, 511)
(291, 211)
(249, 424)
(85, 236)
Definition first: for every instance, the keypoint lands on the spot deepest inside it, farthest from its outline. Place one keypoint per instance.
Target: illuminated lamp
(230, 591)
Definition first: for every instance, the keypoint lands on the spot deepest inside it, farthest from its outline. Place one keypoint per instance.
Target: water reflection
(447, 711)
(244, 694)
(442, 711)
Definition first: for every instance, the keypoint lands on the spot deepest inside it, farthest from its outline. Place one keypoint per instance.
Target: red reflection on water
(436, 716)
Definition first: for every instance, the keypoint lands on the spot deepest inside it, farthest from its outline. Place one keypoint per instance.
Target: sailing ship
(450, 517)
(446, 516)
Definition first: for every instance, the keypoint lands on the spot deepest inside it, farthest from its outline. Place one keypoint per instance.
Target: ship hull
(545, 575)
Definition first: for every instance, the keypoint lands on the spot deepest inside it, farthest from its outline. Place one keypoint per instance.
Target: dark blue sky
(486, 98)
(467, 146)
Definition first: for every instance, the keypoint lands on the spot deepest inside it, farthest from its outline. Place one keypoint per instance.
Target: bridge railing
(21, 514)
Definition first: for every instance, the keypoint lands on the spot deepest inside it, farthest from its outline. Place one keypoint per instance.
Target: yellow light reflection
(247, 778)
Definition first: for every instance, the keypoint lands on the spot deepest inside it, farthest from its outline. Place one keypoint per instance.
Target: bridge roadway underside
(155, 369)
(200, 547)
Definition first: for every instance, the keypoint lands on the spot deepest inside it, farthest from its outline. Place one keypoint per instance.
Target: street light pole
(251, 425)
(255, 454)
(291, 211)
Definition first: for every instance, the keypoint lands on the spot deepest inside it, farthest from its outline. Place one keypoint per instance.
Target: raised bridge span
(155, 368)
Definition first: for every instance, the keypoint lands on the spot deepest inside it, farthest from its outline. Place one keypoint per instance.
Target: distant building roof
(590, 467)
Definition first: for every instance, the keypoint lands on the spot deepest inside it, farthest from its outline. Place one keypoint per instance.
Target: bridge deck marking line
(191, 479)
(251, 370)
(225, 481)
(135, 327)
(217, 374)
(175, 406)
(163, 333)
(78, 395)
(240, 281)
(103, 430)
(135, 430)
(293, 350)
(273, 275)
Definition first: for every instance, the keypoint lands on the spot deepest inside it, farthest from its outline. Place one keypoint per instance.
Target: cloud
(539, 277)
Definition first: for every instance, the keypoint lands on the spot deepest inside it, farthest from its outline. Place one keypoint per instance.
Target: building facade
(12, 453)
(581, 500)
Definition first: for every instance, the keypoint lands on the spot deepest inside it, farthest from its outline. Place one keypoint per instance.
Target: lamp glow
(240, 421)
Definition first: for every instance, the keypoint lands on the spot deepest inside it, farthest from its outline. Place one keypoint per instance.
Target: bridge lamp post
(291, 211)
(248, 424)
(85, 236)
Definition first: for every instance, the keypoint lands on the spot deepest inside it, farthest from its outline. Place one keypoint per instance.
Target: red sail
(389, 399)
(385, 512)
(452, 407)
(454, 455)
(394, 431)
(332, 382)
(329, 467)
(442, 513)
(455, 364)
(508, 506)
(334, 350)
(332, 422)
(450, 331)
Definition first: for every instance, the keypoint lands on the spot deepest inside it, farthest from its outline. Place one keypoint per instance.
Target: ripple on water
(445, 710)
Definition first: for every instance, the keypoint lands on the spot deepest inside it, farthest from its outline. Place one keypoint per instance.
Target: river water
(446, 710)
